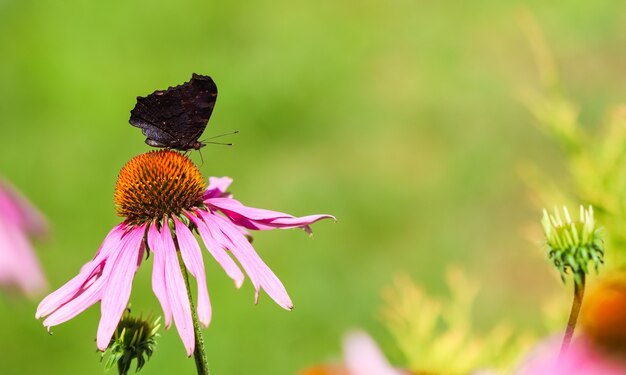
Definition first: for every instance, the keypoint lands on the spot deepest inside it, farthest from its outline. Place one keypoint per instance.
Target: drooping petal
(67, 292)
(177, 292)
(296, 222)
(233, 205)
(215, 249)
(119, 284)
(260, 274)
(75, 286)
(158, 272)
(112, 239)
(190, 252)
(261, 219)
(89, 294)
(217, 187)
(91, 290)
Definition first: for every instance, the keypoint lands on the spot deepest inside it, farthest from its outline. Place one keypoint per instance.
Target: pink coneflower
(19, 220)
(164, 199)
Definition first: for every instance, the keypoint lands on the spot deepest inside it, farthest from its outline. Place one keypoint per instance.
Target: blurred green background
(402, 118)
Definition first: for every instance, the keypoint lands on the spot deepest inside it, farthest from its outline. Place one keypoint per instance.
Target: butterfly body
(175, 118)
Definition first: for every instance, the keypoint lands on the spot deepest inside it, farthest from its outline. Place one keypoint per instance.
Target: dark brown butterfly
(176, 117)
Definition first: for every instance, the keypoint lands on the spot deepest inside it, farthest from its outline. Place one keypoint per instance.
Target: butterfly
(176, 117)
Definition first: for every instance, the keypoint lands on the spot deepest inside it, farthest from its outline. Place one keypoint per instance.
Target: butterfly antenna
(208, 140)
(222, 135)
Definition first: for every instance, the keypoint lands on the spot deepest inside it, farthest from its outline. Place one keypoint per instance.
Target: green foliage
(437, 336)
(594, 168)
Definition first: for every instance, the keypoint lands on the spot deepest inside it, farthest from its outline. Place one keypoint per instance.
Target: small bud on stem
(572, 244)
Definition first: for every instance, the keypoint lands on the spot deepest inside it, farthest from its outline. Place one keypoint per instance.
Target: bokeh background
(402, 118)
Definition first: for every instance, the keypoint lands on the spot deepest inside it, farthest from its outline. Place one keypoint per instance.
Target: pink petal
(17, 208)
(364, 357)
(112, 239)
(89, 294)
(72, 288)
(233, 205)
(18, 263)
(260, 274)
(216, 250)
(261, 219)
(95, 276)
(582, 358)
(177, 292)
(192, 256)
(217, 187)
(158, 272)
(119, 284)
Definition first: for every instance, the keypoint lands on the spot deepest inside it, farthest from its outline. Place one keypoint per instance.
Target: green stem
(199, 354)
(579, 291)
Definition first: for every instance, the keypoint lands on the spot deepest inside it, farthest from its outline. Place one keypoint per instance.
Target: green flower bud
(572, 244)
(134, 338)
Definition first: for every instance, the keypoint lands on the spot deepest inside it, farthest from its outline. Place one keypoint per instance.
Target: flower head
(19, 220)
(157, 184)
(572, 244)
(163, 198)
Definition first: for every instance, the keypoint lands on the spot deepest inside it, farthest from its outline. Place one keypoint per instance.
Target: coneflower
(164, 200)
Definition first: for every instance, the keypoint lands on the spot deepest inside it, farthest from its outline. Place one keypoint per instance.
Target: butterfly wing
(176, 117)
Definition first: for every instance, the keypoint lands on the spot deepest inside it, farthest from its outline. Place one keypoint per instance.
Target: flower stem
(199, 354)
(579, 291)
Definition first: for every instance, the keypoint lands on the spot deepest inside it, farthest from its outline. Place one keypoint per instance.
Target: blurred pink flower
(362, 356)
(582, 358)
(108, 276)
(19, 220)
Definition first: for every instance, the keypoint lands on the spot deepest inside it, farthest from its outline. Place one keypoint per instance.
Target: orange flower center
(157, 183)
